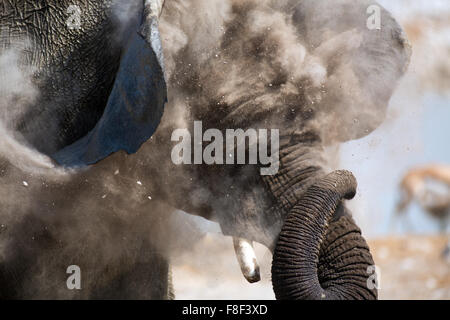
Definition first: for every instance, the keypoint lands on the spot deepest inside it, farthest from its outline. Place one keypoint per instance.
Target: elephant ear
(135, 105)
(363, 62)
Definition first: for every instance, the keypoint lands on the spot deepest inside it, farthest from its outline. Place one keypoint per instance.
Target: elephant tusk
(247, 259)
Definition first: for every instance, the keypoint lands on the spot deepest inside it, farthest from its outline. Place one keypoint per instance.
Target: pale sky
(415, 132)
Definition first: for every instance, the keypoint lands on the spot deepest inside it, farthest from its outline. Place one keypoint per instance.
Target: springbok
(429, 186)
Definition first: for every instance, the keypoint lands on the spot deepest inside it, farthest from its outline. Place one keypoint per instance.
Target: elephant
(93, 149)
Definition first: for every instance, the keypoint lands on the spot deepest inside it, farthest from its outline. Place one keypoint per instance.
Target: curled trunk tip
(295, 263)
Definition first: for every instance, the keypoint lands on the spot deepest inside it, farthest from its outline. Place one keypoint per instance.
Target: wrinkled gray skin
(120, 241)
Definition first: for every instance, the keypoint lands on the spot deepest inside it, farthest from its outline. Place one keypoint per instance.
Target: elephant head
(311, 69)
(333, 87)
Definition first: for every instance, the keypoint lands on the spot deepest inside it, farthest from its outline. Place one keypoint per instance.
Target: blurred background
(403, 172)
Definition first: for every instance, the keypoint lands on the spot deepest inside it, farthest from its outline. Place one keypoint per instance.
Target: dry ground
(411, 268)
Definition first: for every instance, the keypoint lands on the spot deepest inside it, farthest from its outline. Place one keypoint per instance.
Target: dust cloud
(308, 65)
(230, 63)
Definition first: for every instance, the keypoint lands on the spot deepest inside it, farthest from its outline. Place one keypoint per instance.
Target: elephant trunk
(313, 261)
